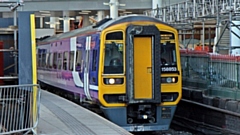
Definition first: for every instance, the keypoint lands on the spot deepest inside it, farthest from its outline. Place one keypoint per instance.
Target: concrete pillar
(156, 3)
(41, 22)
(66, 21)
(85, 20)
(113, 8)
(53, 22)
(100, 15)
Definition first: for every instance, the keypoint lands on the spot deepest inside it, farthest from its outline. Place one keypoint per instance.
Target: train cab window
(71, 60)
(115, 36)
(113, 60)
(168, 54)
(65, 60)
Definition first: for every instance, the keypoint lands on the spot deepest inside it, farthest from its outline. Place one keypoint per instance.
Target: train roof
(102, 25)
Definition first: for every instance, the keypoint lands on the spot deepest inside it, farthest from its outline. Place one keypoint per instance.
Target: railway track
(204, 119)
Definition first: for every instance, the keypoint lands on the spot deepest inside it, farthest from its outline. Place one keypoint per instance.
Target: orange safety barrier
(200, 48)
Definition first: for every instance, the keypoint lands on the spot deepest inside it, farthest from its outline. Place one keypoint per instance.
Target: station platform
(58, 116)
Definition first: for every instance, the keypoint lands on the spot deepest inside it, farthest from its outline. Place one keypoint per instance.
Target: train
(128, 66)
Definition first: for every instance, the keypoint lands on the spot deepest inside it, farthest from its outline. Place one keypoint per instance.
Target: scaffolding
(12, 6)
(185, 15)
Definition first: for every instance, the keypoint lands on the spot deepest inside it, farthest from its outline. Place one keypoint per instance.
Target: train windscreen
(113, 60)
(168, 53)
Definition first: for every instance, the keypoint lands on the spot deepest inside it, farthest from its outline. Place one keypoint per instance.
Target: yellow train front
(139, 83)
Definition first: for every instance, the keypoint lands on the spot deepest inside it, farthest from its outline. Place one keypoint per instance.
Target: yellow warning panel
(143, 67)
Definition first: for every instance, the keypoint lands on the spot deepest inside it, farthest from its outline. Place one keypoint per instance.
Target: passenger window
(71, 60)
(44, 60)
(39, 59)
(94, 62)
(59, 60)
(79, 61)
(55, 60)
(51, 60)
(65, 61)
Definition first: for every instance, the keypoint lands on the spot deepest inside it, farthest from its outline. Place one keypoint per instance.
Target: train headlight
(113, 81)
(169, 79)
(173, 80)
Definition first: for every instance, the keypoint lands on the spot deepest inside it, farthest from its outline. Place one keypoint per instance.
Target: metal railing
(19, 108)
(218, 74)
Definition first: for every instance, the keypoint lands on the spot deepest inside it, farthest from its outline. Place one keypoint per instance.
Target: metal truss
(194, 10)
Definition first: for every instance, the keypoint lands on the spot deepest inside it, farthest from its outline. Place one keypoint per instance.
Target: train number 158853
(169, 69)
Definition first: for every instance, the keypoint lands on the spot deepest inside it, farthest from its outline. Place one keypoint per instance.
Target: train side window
(94, 62)
(59, 60)
(65, 60)
(55, 60)
(79, 61)
(71, 60)
(47, 60)
(39, 59)
(50, 60)
(44, 60)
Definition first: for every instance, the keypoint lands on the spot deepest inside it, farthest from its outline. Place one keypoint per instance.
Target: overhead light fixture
(71, 18)
(46, 14)
(52, 22)
(127, 12)
(43, 11)
(85, 13)
(121, 9)
(40, 16)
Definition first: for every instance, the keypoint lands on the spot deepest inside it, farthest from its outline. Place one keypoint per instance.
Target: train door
(143, 64)
(86, 67)
(93, 74)
(76, 60)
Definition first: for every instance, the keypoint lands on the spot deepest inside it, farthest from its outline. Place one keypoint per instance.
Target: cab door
(143, 64)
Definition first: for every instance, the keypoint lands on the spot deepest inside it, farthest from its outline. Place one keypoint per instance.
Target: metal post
(217, 31)
(203, 34)
(230, 27)
(156, 4)
(15, 41)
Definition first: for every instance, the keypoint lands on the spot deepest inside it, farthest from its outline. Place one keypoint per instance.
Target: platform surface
(59, 116)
